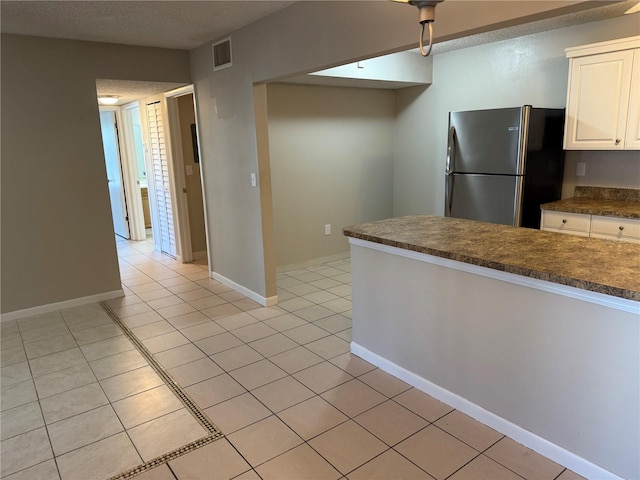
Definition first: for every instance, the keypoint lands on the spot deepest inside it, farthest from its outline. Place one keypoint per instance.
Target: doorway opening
(134, 141)
(160, 175)
(183, 128)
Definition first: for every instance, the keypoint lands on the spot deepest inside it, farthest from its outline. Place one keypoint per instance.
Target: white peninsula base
(555, 368)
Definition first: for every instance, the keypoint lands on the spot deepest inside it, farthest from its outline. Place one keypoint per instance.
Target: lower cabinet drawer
(615, 228)
(561, 221)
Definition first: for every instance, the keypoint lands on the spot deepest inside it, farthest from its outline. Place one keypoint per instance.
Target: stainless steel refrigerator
(502, 164)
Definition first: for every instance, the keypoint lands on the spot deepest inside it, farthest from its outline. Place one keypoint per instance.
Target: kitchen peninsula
(536, 334)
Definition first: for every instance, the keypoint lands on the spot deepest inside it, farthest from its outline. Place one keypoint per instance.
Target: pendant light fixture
(427, 10)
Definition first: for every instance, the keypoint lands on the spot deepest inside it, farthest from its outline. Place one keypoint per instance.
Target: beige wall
(331, 152)
(525, 70)
(602, 169)
(194, 186)
(282, 45)
(57, 233)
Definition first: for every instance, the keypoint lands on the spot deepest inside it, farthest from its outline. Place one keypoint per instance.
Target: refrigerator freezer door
(485, 198)
(487, 141)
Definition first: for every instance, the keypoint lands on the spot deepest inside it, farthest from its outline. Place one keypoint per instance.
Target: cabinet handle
(617, 141)
(564, 220)
(620, 228)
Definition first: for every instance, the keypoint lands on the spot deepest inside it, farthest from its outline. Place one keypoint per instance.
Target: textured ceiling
(129, 90)
(184, 24)
(153, 23)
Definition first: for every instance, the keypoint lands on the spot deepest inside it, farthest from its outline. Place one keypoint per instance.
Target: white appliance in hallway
(113, 163)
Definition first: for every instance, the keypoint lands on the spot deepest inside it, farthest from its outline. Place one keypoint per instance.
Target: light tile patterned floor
(79, 402)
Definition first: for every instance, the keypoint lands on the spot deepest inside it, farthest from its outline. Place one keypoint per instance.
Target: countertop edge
(527, 272)
(591, 207)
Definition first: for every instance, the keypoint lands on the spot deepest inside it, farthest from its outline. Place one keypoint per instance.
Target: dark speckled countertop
(602, 266)
(609, 202)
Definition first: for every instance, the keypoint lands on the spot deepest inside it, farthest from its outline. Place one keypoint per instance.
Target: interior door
(114, 174)
(160, 178)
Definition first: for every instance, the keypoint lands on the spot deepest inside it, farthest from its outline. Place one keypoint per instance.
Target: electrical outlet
(327, 229)
(253, 180)
(581, 168)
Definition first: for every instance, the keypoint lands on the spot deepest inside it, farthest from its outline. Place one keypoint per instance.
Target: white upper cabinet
(603, 96)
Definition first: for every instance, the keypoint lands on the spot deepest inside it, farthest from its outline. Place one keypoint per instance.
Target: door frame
(183, 232)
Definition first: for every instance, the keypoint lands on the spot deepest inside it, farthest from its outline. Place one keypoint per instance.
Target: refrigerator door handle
(518, 201)
(448, 194)
(451, 160)
(524, 139)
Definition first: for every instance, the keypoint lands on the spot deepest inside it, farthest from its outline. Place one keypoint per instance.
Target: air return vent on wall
(222, 54)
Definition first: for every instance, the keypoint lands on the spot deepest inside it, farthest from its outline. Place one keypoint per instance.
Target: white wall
(58, 242)
(331, 152)
(526, 70)
(305, 37)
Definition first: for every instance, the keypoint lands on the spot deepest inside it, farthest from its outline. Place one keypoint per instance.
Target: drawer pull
(617, 141)
(564, 220)
(620, 228)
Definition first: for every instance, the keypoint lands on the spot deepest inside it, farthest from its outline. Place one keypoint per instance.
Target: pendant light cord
(422, 51)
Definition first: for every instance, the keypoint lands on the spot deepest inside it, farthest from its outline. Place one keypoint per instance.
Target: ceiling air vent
(222, 54)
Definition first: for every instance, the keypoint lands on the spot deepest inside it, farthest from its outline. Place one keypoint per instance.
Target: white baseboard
(550, 450)
(313, 262)
(52, 307)
(264, 301)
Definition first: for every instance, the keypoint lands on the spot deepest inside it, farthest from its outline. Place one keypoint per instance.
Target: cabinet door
(632, 140)
(597, 103)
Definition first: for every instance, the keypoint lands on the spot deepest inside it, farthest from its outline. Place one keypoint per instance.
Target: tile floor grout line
(166, 457)
(110, 404)
(38, 399)
(250, 392)
(481, 454)
(348, 418)
(175, 476)
(214, 433)
(164, 375)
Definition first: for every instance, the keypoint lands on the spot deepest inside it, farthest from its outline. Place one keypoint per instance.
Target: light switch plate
(581, 169)
(188, 169)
